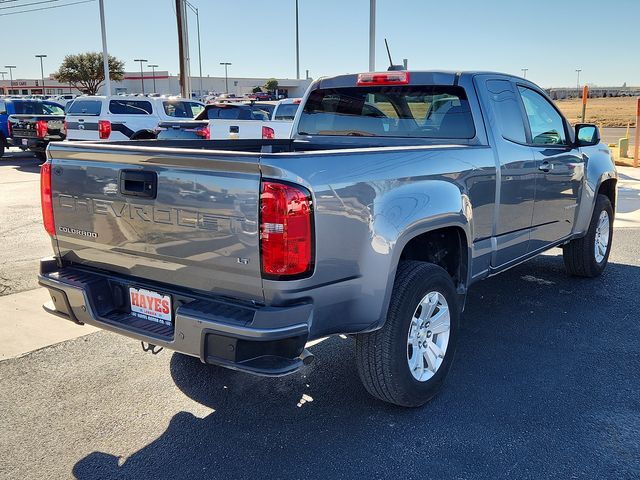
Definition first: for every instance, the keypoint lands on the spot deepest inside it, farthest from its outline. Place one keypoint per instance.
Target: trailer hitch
(150, 347)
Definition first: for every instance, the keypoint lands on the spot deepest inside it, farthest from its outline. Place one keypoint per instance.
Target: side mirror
(587, 135)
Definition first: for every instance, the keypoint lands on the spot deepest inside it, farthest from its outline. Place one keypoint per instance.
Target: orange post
(636, 141)
(585, 96)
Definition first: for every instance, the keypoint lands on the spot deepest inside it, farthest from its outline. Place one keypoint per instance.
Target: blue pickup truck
(21, 106)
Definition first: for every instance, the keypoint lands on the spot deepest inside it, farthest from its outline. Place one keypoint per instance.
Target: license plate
(150, 305)
(25, 142)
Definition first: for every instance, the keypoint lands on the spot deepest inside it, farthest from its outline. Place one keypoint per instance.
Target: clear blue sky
(550, 38)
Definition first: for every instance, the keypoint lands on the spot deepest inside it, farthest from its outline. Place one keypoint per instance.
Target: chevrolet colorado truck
(396, 193)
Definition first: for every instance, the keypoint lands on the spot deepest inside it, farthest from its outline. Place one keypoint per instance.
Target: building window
(60, 91)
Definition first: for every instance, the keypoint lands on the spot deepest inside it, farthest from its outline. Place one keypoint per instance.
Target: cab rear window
(425, 111)
(37, 108)
(85, 107)
(130, 107)
(181, 109)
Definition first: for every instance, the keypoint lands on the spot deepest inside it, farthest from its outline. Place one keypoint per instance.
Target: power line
(28, 4)
(46, 8)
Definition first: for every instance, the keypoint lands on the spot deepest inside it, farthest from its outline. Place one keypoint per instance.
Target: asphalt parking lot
(546, 384)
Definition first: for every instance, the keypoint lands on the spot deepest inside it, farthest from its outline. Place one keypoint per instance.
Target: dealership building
(157, 82)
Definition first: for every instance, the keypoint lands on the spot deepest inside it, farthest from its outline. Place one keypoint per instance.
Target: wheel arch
(144, 134)
(435, 232)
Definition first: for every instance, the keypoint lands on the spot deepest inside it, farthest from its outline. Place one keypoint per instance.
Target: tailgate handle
(138, 183)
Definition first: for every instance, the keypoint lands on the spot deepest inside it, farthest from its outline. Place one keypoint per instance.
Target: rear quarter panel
(368, 204)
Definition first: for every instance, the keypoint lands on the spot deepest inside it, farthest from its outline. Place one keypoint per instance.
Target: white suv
(124, 118)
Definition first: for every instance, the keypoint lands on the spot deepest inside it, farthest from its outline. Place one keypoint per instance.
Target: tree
(271, 85)
(256, 90)
(85, 71)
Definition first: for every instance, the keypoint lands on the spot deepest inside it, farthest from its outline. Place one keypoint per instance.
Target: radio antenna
(386, 44)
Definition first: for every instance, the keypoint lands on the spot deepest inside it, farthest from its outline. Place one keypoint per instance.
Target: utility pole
(524, 72)
(195, 10)
(226, 76)
(183, 48)
(297, 44)
(578, 70)
(141, 60)
(105, 54)
(153, 74)
(3, 74)
(372, 35)
(41, 70)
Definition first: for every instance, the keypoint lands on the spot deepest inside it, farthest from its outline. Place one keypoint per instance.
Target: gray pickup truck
(397, 191)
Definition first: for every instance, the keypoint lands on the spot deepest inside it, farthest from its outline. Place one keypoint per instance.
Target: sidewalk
(25, 326)
(628, 204)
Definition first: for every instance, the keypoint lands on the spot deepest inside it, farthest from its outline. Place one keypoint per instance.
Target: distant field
(606, 112)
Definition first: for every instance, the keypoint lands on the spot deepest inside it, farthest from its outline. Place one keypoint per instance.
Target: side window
(3, 108)
(547, 127)
(507, 110)
(130, 107)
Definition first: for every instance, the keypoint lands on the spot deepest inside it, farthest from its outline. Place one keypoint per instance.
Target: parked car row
(33, 123)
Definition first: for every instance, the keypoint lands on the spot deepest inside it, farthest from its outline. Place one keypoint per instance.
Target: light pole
(195, 10)
(10, 67)
(3, 74)
(524, 72)
(41, 70)
(297, 44)
(153, 74)
(578, 70)
(372, 35)
(141, 60)
(226, 76)
(105, 53)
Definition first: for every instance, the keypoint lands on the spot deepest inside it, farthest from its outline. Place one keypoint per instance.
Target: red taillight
(268, 133)
(297, 102)
(286, 236)
(46, 198)
(104, 129)
(8, 128)
(203, 132)
(383, 78)
(64, 128)
(42, 128)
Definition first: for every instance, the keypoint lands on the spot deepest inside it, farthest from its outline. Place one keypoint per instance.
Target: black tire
(381, 356)
(1, 147)
(579, 254)
(41, 155)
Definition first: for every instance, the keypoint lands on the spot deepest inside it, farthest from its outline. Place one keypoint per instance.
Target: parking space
(544, 386)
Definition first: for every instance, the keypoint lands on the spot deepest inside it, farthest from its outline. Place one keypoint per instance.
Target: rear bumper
(260, 340)
(34, 144)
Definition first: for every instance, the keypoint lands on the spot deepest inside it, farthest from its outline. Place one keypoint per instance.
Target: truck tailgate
(179, 217)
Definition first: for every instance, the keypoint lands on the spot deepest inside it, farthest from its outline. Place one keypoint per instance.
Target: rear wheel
(588, 256)
(406, 361)
(1, 147)
(40, 155)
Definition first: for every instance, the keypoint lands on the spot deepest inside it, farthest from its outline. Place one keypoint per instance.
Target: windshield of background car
(182, 109)
(37, 108)
(422, 111)
(85, 107)
(286, 111)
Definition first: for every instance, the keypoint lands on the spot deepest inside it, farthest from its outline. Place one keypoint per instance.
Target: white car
(63, 99)
(114, 118)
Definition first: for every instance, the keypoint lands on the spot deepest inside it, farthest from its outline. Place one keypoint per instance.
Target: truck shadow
(22, 161)
(321, 423)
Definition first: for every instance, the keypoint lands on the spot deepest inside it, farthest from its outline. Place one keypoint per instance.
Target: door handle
(545, 167)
